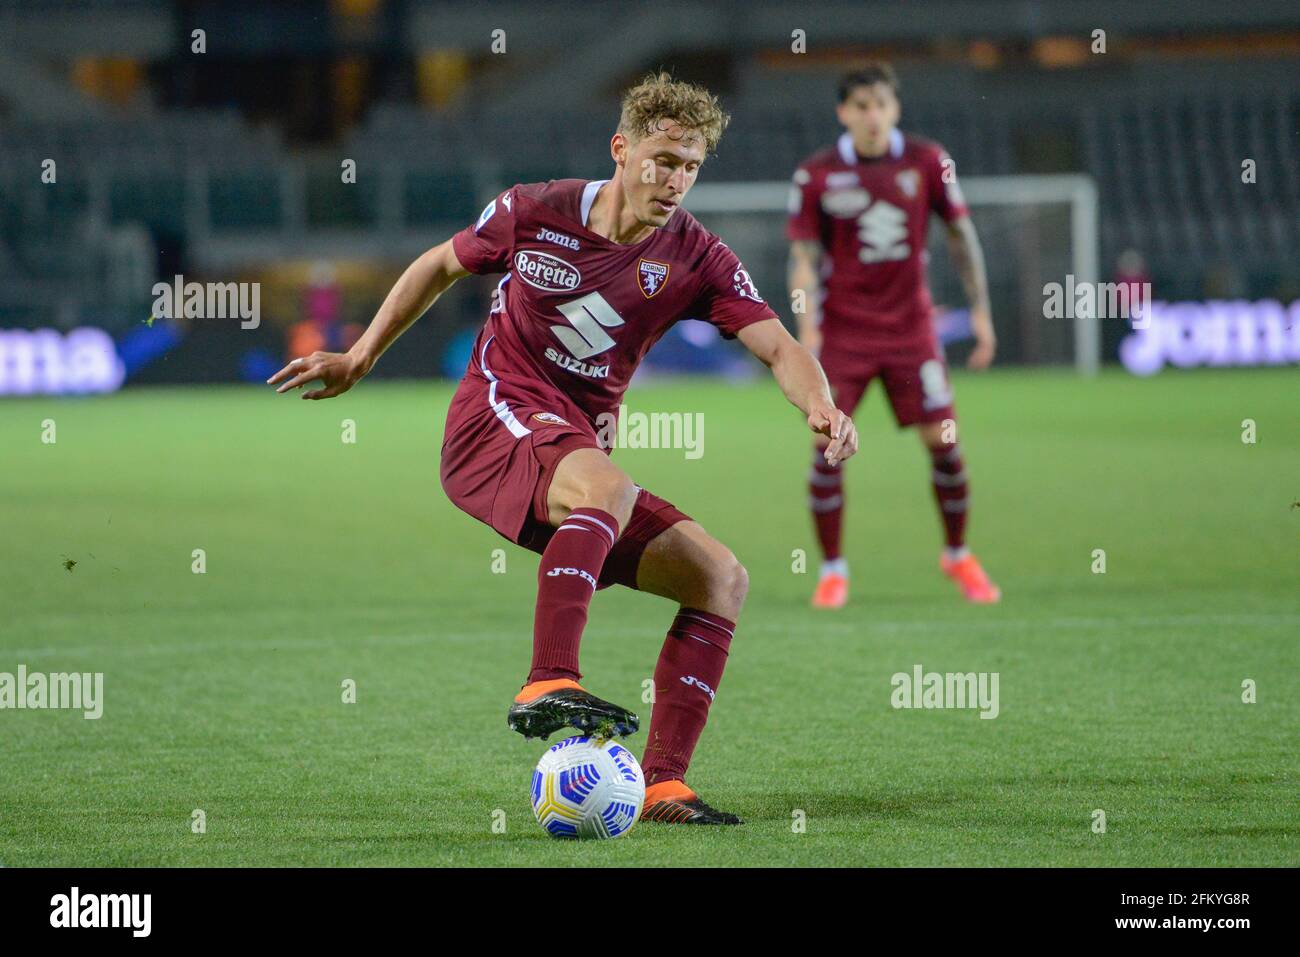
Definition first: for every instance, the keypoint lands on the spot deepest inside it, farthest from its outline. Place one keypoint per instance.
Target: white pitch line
(252, 644)
(940, 626)
(997, 623)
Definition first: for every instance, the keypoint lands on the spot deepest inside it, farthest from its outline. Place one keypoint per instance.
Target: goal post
(1034, 229)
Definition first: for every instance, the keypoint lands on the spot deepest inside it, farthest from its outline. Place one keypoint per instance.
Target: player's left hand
(838, 427)
(986, 347)
(336, 371)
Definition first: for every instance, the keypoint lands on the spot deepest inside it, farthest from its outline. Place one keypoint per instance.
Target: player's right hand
(336, 371)
(837, 427)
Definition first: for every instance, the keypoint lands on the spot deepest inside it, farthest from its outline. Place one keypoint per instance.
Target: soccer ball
(587, 787)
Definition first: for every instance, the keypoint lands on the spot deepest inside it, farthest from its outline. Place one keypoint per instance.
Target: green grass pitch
(327, 561)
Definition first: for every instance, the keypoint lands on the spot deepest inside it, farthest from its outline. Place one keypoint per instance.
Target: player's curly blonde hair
(658, 97)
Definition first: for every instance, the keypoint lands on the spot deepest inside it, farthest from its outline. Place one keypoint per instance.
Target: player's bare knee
(737, 582)
(726, 584)
(587, 479)
(610, 491)
(932, 435)
(622, 500)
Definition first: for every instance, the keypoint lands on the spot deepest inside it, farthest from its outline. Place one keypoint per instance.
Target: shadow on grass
(779, 806)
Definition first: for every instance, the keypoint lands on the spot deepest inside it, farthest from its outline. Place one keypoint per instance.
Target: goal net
(1035, 231)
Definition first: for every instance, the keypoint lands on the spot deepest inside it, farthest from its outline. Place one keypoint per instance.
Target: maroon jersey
(871, 216)
(576, 312)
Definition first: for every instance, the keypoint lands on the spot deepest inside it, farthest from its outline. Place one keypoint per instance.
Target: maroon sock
(686, 679)
(950, 492)
(826, 488)
(566, 580)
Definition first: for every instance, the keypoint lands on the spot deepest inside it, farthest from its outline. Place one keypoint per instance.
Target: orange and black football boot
(974, 582)
(832, 591)
(672, 802)
(544, 707)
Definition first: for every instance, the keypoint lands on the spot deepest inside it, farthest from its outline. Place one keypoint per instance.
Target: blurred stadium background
(228, 164)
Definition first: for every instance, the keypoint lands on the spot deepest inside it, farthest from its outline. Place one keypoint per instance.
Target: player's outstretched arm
(805, 287)
(968, 259)
(418, 288)
(801, 378)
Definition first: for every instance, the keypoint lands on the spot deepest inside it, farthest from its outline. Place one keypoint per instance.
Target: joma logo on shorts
(586, 576)
(692, 680)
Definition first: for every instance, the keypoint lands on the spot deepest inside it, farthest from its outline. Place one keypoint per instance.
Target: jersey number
(589, 317)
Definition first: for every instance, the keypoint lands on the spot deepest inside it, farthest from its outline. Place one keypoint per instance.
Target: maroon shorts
(499, 454)
(917, 385)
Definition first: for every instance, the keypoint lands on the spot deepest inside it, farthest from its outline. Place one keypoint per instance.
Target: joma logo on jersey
(546, 236)
(652, 275)
(546, 272)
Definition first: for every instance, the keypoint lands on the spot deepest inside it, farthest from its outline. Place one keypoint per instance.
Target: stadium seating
(1168, 167)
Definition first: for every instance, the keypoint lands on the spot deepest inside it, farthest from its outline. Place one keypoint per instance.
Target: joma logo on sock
(102, 910)
(572, 571)
(932, 689)
(692, 680)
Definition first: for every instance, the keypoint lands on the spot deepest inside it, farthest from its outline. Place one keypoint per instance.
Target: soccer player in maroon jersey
(859, 214)
(595, 273)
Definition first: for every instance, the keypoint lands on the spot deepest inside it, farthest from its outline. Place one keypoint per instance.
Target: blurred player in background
(859, 215)
(595, 273)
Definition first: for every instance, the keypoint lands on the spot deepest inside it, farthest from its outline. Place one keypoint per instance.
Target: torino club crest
(652, 276)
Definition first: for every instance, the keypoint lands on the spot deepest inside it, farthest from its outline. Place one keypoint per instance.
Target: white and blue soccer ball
(587, 787)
